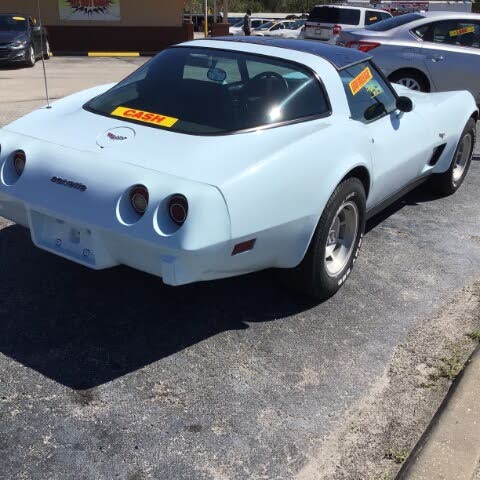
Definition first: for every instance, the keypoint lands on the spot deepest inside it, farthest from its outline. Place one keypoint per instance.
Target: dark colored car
(22, 40)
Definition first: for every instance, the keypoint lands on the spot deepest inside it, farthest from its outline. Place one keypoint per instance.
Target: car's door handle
(437, 58)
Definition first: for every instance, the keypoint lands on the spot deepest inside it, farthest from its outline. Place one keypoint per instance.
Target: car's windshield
(394, 22)
(15, 23)
(297, 25)
(239, 24)
(266, 26)
(345, 16)
(208, 91)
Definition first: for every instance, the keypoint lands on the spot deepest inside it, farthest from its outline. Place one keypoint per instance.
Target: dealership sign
(96, 10)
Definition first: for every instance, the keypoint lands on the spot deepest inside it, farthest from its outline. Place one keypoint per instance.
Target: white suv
(325, 22)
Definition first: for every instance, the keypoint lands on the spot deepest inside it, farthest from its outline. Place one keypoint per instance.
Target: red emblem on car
(114, 137)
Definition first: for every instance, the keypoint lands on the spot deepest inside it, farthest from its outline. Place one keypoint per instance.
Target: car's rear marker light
(178, 209)
(362, 46)
(243, 247)
(139, 198)
(19, 161)
(337, 29)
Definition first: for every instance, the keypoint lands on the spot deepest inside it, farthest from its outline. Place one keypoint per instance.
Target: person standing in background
(247, 23)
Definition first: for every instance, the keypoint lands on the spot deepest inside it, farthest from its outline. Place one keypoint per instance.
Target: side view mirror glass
(374, 111)
(404, 104)
(37, 28)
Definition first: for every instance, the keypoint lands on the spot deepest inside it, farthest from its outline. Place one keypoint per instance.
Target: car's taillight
(178, 208)
(337, 29)
(362, 46)
(19, 161)
(139, 199)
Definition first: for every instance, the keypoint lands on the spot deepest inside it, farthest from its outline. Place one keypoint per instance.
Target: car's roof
(350, 7)
(339, 57)
(434, 14)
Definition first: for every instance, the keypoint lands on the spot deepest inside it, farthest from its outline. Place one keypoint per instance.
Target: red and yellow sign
(461, 31)
(360, 80)
(147, 117)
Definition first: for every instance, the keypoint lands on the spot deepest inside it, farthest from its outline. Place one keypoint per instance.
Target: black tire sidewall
(350, 190)
(28, 61)
(469, 128)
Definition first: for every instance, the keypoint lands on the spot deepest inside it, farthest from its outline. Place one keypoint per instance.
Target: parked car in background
(325, 22)
(234, 20)
(22, 40)
(237, 29)
(96, 177)
(431, 51)
(286, 29)
(271, 27)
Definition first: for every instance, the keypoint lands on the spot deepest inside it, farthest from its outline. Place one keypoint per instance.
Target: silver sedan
(432, 51)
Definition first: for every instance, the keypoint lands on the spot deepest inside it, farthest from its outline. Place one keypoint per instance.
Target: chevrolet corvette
(226, 156)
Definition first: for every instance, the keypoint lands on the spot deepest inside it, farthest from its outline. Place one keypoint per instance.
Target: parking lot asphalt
(111, 374)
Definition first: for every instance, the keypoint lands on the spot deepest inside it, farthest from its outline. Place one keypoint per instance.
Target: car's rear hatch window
(394, 22)
(333, 15)
(209, 91)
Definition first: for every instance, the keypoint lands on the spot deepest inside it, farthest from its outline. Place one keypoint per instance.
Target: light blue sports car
(227, 156)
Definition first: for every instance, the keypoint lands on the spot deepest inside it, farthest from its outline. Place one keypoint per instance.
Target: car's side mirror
(404, 104)
(37, 28)
(374, 111)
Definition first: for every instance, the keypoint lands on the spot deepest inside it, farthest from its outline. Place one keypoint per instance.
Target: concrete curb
(450, 447)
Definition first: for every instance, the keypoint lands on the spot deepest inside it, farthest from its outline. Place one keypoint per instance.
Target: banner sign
(91, 10)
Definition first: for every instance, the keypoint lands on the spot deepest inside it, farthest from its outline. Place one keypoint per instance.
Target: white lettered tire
(335, 245)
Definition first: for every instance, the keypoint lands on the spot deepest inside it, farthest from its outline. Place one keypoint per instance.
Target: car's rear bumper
(98, 248)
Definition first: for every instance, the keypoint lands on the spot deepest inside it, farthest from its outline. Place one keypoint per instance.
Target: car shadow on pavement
(83, 328)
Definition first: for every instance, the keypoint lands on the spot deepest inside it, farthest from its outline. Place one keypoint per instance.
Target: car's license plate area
(64, 238)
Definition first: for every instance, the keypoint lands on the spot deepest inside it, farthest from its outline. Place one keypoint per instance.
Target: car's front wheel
(335, 244)
(30, 57)
(449, 182)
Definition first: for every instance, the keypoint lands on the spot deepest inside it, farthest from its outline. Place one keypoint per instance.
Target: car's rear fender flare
(361, 170)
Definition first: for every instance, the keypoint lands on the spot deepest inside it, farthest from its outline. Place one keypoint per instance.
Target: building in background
(108, 25)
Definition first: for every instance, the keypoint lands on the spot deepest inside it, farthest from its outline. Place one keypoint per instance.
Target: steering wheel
(266, 85)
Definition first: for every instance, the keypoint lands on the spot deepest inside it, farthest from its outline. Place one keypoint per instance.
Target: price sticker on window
(360, 80)
(461, 31)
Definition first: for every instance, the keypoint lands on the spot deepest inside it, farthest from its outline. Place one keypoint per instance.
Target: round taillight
(337, 29)
(19, 161)
(178, 209)
(139, 199)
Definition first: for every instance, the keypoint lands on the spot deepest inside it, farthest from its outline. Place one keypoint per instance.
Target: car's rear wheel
(449, 182)
(335, 244)
(30, 57)
(410, 79)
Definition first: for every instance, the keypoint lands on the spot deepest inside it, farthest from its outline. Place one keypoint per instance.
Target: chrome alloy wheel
(410, 83)
(341, 238)
(462, 157)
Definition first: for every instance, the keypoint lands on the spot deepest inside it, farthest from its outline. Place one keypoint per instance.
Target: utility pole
(206, 19)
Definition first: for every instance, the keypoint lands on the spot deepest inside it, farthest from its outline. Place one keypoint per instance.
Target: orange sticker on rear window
(461, 31)
(360, 80)
(147, 117)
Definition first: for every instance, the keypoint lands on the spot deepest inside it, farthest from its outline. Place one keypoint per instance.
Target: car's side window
(464, 33)
(385, 16)
(372, 17)
(369, 95)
